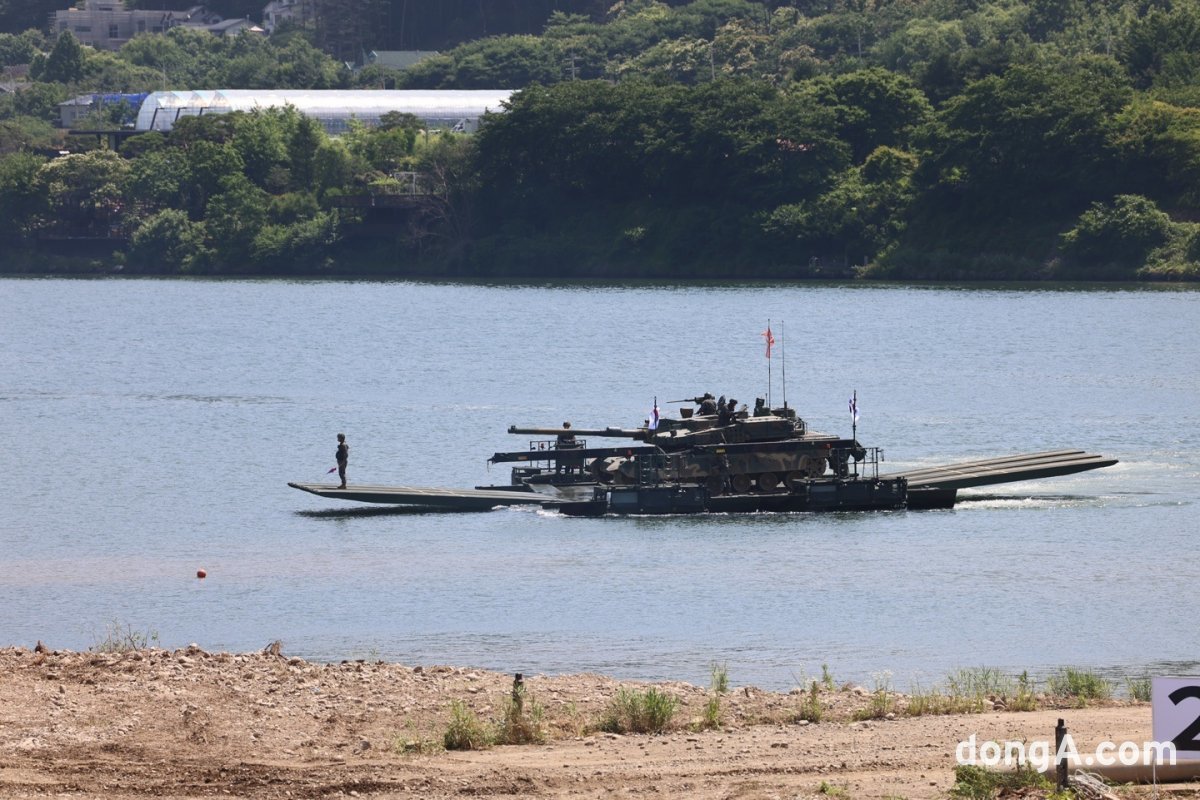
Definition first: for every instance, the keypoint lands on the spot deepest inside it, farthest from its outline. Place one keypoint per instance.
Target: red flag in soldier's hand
(331, 470)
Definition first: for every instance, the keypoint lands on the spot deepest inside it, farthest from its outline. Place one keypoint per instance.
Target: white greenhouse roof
(334, 108)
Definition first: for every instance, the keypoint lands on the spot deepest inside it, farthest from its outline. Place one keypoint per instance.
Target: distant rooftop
(398, 59)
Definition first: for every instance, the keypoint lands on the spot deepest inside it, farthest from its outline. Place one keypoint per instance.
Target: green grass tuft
(520, 720)
(826, 678)
(720, 678)
(465, 732)
(1079, 684)
(811, 709)
(1138, 689)
(979, 783)
(651, 711)
(883, 702)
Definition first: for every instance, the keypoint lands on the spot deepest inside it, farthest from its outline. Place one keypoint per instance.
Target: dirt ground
(187, 723)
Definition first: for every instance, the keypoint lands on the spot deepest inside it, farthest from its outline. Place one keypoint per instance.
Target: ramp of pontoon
(448, 499)
(1006, 469)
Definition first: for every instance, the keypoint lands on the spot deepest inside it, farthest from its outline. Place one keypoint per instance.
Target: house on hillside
(397, 59)
(277, 11)
(107, 25)
(227, 27)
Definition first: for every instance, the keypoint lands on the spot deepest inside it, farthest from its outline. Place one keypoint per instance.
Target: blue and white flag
(854, 407)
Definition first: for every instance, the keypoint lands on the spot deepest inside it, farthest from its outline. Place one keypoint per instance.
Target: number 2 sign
(1175, 708)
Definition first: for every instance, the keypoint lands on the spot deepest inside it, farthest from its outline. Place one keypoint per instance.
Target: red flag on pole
(770, 339)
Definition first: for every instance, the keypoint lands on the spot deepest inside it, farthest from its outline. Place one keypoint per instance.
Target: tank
(734, 450)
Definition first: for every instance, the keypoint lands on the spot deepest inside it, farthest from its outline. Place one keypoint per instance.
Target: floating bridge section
(930, 487)
(432, 499)
(1007, 469)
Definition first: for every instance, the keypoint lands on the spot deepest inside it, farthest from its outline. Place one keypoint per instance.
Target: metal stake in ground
(1060, 733)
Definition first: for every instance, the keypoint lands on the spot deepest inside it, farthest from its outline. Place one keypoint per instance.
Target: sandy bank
(187, 723)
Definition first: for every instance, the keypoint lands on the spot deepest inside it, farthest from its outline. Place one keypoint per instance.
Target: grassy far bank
(99, 259)
(713, 139)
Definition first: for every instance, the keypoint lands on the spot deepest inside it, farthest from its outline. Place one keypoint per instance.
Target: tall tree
(65, 62)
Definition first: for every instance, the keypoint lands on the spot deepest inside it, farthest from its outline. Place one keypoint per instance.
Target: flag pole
(854, 417)
(768, 337)
(783, 360)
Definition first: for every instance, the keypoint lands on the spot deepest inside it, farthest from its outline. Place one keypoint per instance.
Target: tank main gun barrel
(612, 433)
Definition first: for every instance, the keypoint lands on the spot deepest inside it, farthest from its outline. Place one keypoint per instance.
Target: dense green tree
(877, 108)
(377, 76)
(158, 180)
(1047, 17)
(857, 218)
(303, 142)
(1121, 233)
(333, 168)
(168, 242)
(233, 219)
(1159, 147)
(209, 164)
(16, 49)
(107, 72)
(381, 149)
(260, 137)
(22, 134)
(64, 64)
(143, 144)
(448, 221)
(300, 244)
(184, 58)
(215, 128)
(1032, 142)
(687, 61)
(1158, 39)
(38, 100)
(83, 192)
(508, 61)
(927, 50)
(21, 197)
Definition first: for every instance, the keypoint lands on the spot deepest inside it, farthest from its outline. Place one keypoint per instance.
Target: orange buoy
(201, 573)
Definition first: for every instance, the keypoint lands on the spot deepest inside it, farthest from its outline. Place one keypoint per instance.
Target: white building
(334, 109)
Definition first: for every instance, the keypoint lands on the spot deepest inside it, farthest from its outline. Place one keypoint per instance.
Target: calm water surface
(150, 428)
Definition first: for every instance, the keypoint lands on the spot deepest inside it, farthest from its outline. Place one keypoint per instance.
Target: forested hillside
(720, 138)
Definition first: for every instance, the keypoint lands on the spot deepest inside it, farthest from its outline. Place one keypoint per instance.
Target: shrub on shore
(518, 724)
(631, 711)
(1081, 685)
(122, 638)
(466, 732)
(979, 783)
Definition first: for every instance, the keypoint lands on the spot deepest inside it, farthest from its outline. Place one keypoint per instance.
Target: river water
(151, 427)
